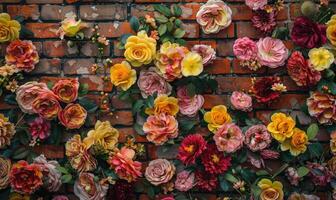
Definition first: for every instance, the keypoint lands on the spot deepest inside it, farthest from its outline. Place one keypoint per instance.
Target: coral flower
(191, 148)
(73, 116)
(323, 107)
(39, 128)
(66, 90)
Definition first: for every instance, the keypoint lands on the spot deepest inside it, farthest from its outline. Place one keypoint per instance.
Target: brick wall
(57, 60)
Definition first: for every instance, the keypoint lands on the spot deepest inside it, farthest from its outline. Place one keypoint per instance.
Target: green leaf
(162, 29)
(66, 178)
(178, 22)
(83, 89)
(262, 173)
(89, 105)
(170, 26)
(229, 177)
(191, 90)
(63, 170)
(135, 24)
(151, 192)
(179, 33)
(11, 99)
(224, 184)
(161, 19)
(177, 11)
(302, 171)
(137, 106)
(280, 170)
(26, 33)
(315, 150)
(20, 153)
(312, 131)
(331, 85)
(162, 9)
(50, 85)
(138, 128)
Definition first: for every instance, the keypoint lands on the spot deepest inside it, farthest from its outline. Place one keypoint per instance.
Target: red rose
(308, 34)
(22, 54)
(25, 178)
(66, 90)
(72, 116)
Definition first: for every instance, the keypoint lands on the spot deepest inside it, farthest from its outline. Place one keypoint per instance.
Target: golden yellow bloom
(17, 196)
(192, 64)
(331, 30)
(164, 104)
(9, 29)
(140, 49)
(103, 135)
(281, 126)
(217, 117)
(122, 75)
(320, 58)
(70, 26)
(297, 144)
(270, 190)
(7, 131)
(333, 142)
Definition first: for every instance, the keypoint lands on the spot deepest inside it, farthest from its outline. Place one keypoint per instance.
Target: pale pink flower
(214, 16)
(229, 138)
(272, 52)
(257, 138)
(241, 101)
(159, 171)
(245, 49)
(124, 166)
(160, 128)
(150, 82)
(189, 106)
(185, 180)
(206, 51)
(256, 4)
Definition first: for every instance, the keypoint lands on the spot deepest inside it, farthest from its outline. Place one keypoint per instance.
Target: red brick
(219, 66)
(27, 11)
(43, 30)
(55, 12)
(50, 151)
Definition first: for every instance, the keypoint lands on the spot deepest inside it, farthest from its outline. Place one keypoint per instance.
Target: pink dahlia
(39, 128)
(124, 165)
(257, 138)
(191, 147)
(229, 138)
(272, 52)
(241, 101)
(214, 161)
(189, 105)
(300, 71)
(264, 21)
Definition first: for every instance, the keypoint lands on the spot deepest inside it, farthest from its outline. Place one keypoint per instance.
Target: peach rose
(46, 105)
(72, 116)
(159, 171)
(214, 16)
(66, 90)
(160, 128)
(88, 188)
(27, 93)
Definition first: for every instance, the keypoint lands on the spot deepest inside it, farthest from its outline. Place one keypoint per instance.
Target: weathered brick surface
(58, 60)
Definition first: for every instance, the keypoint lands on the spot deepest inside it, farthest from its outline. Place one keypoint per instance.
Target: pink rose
(159, 171)
(229, 138)
(206, 51)
(27, 93)
(184, 181)
(189, 106)
(272, 52)
(160, 128)
(214, 16)
(150, 82)
(241, 101)
(256, 4)
(245, 49)
(257, 138)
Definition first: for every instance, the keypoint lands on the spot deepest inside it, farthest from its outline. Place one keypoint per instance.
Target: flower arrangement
(219, 148)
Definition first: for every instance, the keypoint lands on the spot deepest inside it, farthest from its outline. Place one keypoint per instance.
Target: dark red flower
(320, 174)
(264, 21)
(121, 190)
(206, 181)
(214, 161)
(262, 89)
(300, 71)
(308, 34)
(191, 147)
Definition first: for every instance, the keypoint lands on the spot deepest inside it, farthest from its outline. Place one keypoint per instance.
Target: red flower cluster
(205, 181)
(191, 147)
(262, 89)
(214, 161)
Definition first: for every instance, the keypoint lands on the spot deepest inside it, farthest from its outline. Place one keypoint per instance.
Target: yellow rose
(333, 142)
(164, 104)
(320, 58)
(297, 144)
(281, 126)
(270, 190)
(140, 49)
(217, 117)
(192, 64)
(331, 30)
(122, 75)
(9, 29)
(70, 26)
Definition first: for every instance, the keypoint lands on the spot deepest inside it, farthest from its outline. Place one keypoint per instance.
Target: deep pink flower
(308, 34)
(245, 49)
(191, 147)
(39, 128)
(264, 21)
(206, 181)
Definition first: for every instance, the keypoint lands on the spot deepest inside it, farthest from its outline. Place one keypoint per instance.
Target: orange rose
(46, 105)
(72, 116)
(66, 90)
